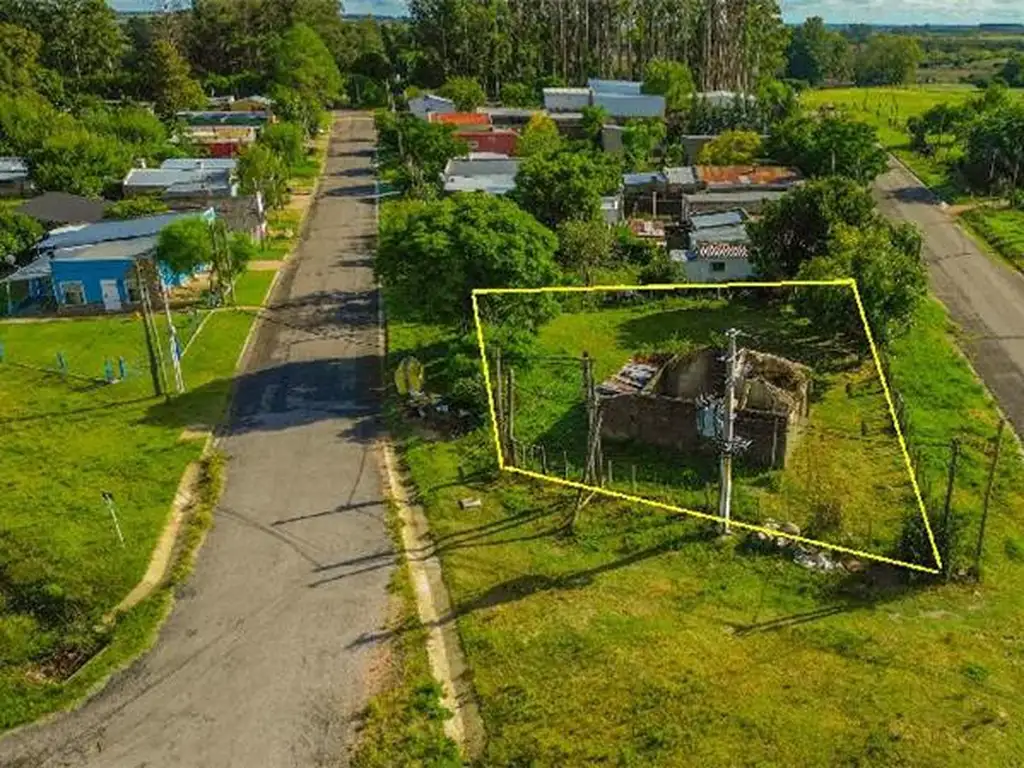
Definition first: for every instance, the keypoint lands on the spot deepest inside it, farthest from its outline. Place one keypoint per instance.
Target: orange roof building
(463, 120)
(740, 177)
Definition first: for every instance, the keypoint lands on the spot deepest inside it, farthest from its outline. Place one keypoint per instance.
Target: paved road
(985, 297)
(258, 665)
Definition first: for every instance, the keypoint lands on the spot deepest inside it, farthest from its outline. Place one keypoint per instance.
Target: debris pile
(810, 557)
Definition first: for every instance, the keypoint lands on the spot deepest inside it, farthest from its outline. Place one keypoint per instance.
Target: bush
(660, 270)
(465, 92)
(287, 140)
(134, 207)
(518, 95)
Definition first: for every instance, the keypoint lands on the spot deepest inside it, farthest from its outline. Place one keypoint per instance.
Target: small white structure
(611, 209)
(714, 262)
(423, 106)
(493, 176)
(724, 98)
(566, 99)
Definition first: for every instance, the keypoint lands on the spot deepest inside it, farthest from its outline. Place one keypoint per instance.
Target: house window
(131, 289)
(718, 266)
(73, 292)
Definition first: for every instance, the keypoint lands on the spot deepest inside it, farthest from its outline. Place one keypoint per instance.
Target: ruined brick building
(661, 401)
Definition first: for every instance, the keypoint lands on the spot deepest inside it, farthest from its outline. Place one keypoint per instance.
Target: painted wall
(90, 274)
(702, 270)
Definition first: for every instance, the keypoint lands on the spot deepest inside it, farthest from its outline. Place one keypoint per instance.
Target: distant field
(65, 442)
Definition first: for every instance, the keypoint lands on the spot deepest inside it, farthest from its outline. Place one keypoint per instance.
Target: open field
(643, 642)
(888, 108)
(849, 424)
(1003, 229)
(64, 443)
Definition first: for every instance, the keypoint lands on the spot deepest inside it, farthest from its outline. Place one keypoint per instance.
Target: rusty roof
(747, 176)
(460, 118)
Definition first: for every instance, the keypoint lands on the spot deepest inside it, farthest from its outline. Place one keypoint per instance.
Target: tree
(134, 207)
(79, 162)
(83, 41)
(891, 279)
(17, 233)
(465, 92)
(1013, 70)
(731, 148)
(799, 227)
(540, 137)
(432, 254)
(303, 64)
(413, 153)
(185, 245)
(887, 60)
(518, 95)
(827, 146)
(287, 140)
(261, 170)
(25, 122)
(640, 140)
(169, 81)
(19, 55)
(291, 107)
(815, 54)
(671, 79)
(566, 185)
(584, 246)
(994, 150)
(593, 123)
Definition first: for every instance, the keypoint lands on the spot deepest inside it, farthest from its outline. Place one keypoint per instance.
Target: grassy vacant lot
(642, 642)
(252, 286)
(64, 443)
(849, 425)
(1003, 229)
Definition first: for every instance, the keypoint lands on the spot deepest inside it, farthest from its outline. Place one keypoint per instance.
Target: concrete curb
(433, 605)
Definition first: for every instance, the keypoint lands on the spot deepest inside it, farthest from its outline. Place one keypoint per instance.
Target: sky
(833, 11)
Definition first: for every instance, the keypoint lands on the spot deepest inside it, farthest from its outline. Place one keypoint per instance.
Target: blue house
(94, 265)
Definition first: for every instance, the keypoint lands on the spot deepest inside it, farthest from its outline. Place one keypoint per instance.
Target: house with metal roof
(628, 106)
(199, 180)
(496, 177)
(750, 200)
(732, 218)
(566, 99)
(715, 262)
(93, 266)
(15, 179)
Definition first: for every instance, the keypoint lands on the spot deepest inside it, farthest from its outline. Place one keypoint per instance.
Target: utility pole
(155, 366)
(175, 345)
(728, 432)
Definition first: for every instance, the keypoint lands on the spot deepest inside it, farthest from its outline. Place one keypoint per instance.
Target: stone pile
(810, 557)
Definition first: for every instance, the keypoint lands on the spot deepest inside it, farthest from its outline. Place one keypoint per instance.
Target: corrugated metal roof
(197, 163)
(631, 378)
(736, 233)
(166, 177)
(647, 228)
(682, 176)
(467, 167)
(619, 105)
(104, 231)
(568, 91)
(519, 112)
(741, 197)
(625, 87)
(460, 118)
(494, 185)
(205, 117)
(643, 178)
(34, 270)
(748, 176)
(114, 250)
(723, 219)
(60, 207)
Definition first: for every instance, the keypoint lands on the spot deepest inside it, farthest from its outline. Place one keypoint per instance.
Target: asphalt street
(260, 662)
(984, 296)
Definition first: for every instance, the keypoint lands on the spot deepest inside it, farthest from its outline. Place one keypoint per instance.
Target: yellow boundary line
(847, 282)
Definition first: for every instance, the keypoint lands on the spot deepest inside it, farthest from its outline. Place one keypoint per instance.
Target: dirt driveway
(260, 663)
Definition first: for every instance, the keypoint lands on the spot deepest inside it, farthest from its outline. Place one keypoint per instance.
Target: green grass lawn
(252, 286)
(641, 641)
(64, 443)
(1003, 229)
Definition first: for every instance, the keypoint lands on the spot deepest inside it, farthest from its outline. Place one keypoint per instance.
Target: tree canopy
(465, 92)
(566, 185)
(887, 60)
(432, 254)
(185, 245)
(671, 79)
(731, 148)
(816, 54)
(412, 153)
(17, 233)
(829, 145)
(540, 137)
(261, 170)
(303, 63)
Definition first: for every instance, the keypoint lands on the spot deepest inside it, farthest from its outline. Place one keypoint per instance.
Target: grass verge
(403, 725)
(1003, 229)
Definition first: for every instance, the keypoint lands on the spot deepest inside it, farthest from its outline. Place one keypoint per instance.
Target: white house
(715, 262)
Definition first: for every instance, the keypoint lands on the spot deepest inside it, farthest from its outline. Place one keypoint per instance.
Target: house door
(111, 296)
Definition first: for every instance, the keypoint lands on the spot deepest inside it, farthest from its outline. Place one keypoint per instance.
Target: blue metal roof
(103, 231)
(723, 219)
(625, 87)
(642, 179)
